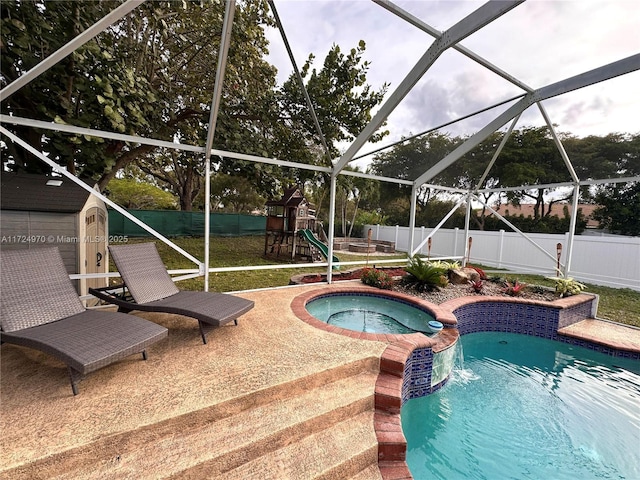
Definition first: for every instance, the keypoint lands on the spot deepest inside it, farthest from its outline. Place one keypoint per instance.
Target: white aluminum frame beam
(472, 23)
(416, 22)
(75, 130)
(72, 129)
(606, 72)
(442, 125)
(225, 40)
(558, 143)
(514, 228)
(412, 217)
(56, 127)
(439, 226)
(467, 220)
(599, 181)
(505, 137)
(70, 47)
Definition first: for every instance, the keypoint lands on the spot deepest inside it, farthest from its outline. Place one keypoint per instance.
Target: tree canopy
(130, 193)
(529, 157)
(152, 74)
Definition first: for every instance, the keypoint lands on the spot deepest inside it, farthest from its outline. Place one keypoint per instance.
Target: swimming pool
(528, 408)
(370, 313)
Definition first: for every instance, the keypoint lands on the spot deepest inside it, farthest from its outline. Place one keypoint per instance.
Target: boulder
(462, 276)
(472, 273)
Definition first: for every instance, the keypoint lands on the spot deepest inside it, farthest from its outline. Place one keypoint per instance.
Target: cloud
(538, 42)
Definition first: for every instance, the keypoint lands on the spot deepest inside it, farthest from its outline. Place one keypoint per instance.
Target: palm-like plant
(424, 276)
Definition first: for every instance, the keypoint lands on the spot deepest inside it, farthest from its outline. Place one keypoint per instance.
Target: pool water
(369, 313)
(528, 408)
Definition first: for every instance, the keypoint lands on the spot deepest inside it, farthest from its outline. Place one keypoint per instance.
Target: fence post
(567, 255)
(455, 241)
(500, 247)
(397, 231)
(422, 238)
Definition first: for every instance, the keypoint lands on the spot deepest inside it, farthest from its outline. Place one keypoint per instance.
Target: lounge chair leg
(202, 332)
(75, 378)
(236, 321)
(144, 354)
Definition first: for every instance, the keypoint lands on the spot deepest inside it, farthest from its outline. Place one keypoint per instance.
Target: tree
(350, 192)
(134, 194)
(151, 74)
(530, 157)
(597, 158)
(179, 172)
(89, 88)
(341, 98)
(235, 195)
(431, 214)
(342, 101)
(620, 210)
(409, 160)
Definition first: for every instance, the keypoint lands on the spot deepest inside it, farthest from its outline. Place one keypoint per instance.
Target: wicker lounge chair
(40, 309)
(148, 287)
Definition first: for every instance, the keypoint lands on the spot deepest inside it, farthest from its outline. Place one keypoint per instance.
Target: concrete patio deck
(155, 419)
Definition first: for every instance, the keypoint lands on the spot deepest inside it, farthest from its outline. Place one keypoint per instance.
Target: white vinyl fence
(612, 261)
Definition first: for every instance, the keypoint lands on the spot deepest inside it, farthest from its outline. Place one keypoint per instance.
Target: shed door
(95, 245)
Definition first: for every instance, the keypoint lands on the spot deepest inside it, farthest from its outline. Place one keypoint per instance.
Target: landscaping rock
(472, 274)
(458, 277)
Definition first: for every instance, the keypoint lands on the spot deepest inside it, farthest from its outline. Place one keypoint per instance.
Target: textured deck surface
(607, 333)
(269, 348)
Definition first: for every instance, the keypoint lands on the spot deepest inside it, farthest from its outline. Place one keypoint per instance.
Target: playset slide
(311, 238)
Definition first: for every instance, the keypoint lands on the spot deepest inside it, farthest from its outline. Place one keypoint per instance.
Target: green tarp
(173, 223)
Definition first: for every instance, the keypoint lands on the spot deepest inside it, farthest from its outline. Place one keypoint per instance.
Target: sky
(539, 42)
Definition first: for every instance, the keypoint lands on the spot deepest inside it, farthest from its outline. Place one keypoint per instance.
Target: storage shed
(38, 210)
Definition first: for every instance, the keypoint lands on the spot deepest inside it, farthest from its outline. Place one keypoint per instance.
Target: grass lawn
(618, 305)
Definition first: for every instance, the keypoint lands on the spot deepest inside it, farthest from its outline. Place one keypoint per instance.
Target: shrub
(425, 276)
(376, 278)
(514, 288)
(483, 275)
(444, 265)
(566, 287)
(476, 285)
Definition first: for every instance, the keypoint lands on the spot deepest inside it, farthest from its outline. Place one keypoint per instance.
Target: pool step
(372, 472)
(290, 436)
(334, 453)
(318, 426)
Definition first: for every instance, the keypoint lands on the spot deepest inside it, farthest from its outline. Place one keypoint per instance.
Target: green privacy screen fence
(173, 223)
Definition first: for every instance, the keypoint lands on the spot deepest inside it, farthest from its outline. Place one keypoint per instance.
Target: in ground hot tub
(370, 313)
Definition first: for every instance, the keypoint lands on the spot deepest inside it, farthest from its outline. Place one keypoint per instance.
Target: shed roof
(29, 192)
